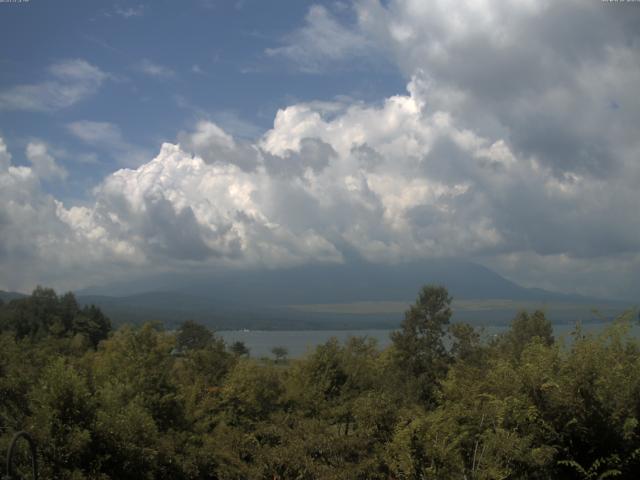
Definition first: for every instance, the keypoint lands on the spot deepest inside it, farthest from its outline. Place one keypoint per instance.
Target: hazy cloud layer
(68, 82)
(43, 164)
(108, 136)
(323, 40)
(130, 12)
(155, 70)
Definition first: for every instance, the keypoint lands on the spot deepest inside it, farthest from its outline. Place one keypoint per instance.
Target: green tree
(140, 359)
(251, 392)
(419, 348)
(466, 344)
(524, 328)
(239, 349)
(193, 336)
(44, 314)
(92, 324)
(280, 354)
(62, 421)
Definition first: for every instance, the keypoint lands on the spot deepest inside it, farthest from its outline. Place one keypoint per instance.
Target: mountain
(8, 296)
(351, 295)
(350, 282)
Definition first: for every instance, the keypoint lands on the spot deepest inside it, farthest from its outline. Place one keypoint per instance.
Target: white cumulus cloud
(391, 182)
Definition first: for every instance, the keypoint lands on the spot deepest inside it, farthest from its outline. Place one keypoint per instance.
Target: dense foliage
(440, 402)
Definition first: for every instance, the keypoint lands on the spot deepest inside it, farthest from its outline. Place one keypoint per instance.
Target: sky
(140, 138)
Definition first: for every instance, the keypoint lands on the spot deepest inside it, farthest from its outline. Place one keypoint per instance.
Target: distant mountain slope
(348, 296)
(8, 296)
(352, 282)
(276, 299)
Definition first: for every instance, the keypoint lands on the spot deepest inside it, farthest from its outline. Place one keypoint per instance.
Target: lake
(299, 342)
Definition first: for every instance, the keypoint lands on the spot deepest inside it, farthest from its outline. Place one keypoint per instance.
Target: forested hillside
(142, 402)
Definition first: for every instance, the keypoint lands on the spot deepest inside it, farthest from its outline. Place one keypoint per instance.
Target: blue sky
(144, 138)
(167, 64)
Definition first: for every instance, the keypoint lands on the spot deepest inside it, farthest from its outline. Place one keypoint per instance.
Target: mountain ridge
(328, 296)
(356, 281)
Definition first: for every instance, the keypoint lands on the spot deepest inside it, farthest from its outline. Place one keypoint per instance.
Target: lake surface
(299, 342)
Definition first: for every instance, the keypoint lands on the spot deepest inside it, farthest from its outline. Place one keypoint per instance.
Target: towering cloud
(552, 81)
